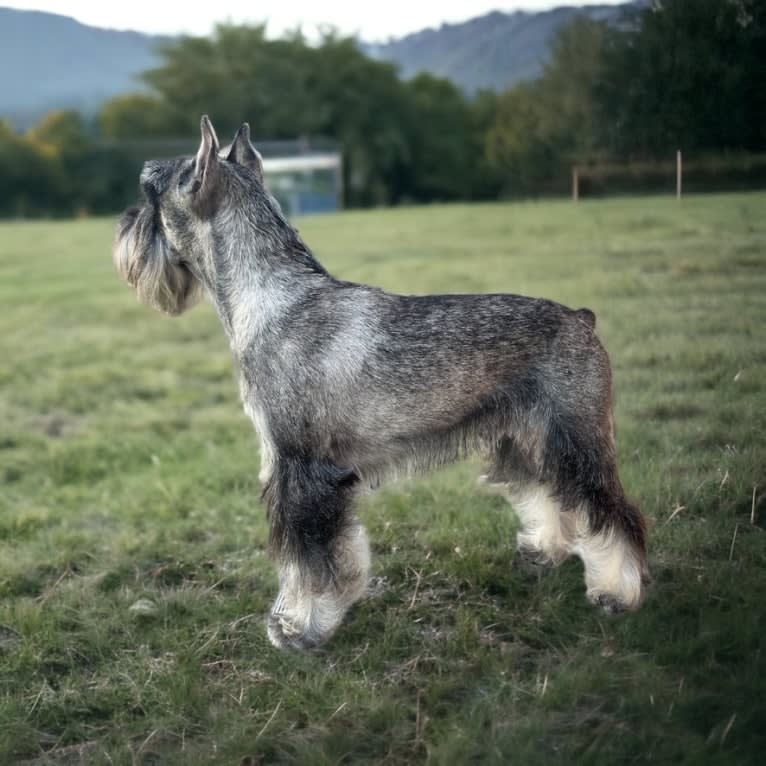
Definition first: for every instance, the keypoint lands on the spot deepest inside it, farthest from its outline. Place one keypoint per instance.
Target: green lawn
(133, 571)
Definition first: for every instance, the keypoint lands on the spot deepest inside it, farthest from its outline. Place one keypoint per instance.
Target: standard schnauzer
(347, 383)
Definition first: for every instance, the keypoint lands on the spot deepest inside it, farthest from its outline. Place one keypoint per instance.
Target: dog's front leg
(321, 550)
(267, 460)
(267, 451)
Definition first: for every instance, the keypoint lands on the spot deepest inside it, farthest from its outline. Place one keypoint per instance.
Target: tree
(63, 132)
(62, 136)
(286, 89)
(443, 148)
(567, 107)
(31, 178)
(237, 75)
(688, 73)
(515, 144)
(134, 115)
(541, 128)
(362, 104)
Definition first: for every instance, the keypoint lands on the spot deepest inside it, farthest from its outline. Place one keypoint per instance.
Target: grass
(133, 570)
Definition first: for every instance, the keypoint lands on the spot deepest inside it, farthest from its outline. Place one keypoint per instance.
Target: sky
(372, 21)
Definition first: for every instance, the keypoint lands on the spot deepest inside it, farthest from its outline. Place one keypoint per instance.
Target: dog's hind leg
(607, 532)
(610, 540)
(579, 462)
(545, 535)
(321, 549)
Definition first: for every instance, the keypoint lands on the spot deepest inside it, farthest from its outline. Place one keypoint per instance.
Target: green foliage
(63, 137)
(288, 88)
(686, 73)
(57, 169)
(567, 110)
(31, 176)
(515, 145)
(238, 74)
(133, 570)
(62, 131)
(413, 140)
(443, 158)
(134, 115)
(542, 128)
(361, 103)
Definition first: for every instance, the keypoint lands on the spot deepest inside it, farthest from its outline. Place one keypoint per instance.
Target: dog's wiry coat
(347, 383)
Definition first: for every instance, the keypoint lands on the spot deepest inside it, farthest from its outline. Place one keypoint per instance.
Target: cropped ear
(243, 153)
(204, 179)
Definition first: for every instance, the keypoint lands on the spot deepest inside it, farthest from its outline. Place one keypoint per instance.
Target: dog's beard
(145, 260)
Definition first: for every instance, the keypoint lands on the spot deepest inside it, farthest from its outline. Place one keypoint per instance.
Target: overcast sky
(372, 21)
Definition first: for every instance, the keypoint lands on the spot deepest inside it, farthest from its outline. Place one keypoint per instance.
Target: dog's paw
(534, 558)
(608, 602)
(285, 634)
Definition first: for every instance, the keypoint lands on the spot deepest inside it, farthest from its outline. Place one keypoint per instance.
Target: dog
(347, 384)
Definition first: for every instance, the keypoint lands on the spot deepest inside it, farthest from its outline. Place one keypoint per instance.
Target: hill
(48, 61)
(493, 52)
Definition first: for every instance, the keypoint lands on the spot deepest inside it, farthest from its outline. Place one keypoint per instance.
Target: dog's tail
(587, 316)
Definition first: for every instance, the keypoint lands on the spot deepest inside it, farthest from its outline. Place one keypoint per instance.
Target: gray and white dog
(347, 383)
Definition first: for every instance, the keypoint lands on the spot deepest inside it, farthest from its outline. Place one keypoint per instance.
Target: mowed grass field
(134, 576)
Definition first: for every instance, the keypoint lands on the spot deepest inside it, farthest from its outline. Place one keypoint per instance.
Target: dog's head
(164, 248)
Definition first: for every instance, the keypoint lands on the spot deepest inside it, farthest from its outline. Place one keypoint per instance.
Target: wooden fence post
(575, 184)
(678, 174)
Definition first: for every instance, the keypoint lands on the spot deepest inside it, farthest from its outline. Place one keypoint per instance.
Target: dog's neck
(258, 276)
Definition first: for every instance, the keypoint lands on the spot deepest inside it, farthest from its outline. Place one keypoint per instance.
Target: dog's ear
(243, 153)
(204, 180)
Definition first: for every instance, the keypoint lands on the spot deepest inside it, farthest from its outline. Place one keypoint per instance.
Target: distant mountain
(491, 52)
(49, 61)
